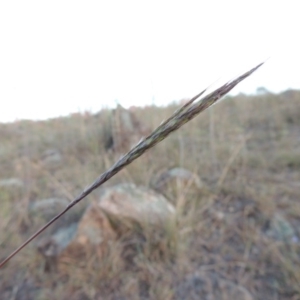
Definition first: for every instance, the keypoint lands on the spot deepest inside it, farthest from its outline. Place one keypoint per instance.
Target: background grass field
(246, 150)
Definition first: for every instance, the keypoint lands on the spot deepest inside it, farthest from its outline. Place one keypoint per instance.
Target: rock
(280, 229)
(11, 183)
(27, 289)
(53, 246)
(230, 290)
(181, 175)
(48, 208)
(199, 286)
(130, 204)
(123, 206)
(68, 244)
(179, 178)
(126, 130)
(42, 211)
(51, 156)
(94, 227)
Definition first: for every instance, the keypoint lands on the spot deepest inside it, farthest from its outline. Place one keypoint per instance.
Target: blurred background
(212, 212)
(69, 56)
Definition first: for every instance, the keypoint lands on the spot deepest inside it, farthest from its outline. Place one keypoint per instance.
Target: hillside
(240, 234)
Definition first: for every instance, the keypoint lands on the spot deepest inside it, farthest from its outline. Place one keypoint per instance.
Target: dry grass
(180, 117)
(249, 160)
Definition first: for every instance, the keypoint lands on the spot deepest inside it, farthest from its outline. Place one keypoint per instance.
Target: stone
(126, 130)
(179, 174)
(42, 211)
(280, 229)
(69, 243)
(230, 290)
(53, 246)
(124, 206)
(11, 183)
(51, 156)
(131, 204)
(176, 177)
(199, 286)
(48, 208)
(94, 227)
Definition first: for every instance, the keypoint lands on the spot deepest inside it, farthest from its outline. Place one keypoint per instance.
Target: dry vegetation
(246, 149)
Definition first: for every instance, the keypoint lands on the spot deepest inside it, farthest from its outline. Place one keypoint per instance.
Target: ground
(225, 245)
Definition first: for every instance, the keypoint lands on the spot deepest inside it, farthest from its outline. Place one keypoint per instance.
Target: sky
(59, 57)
